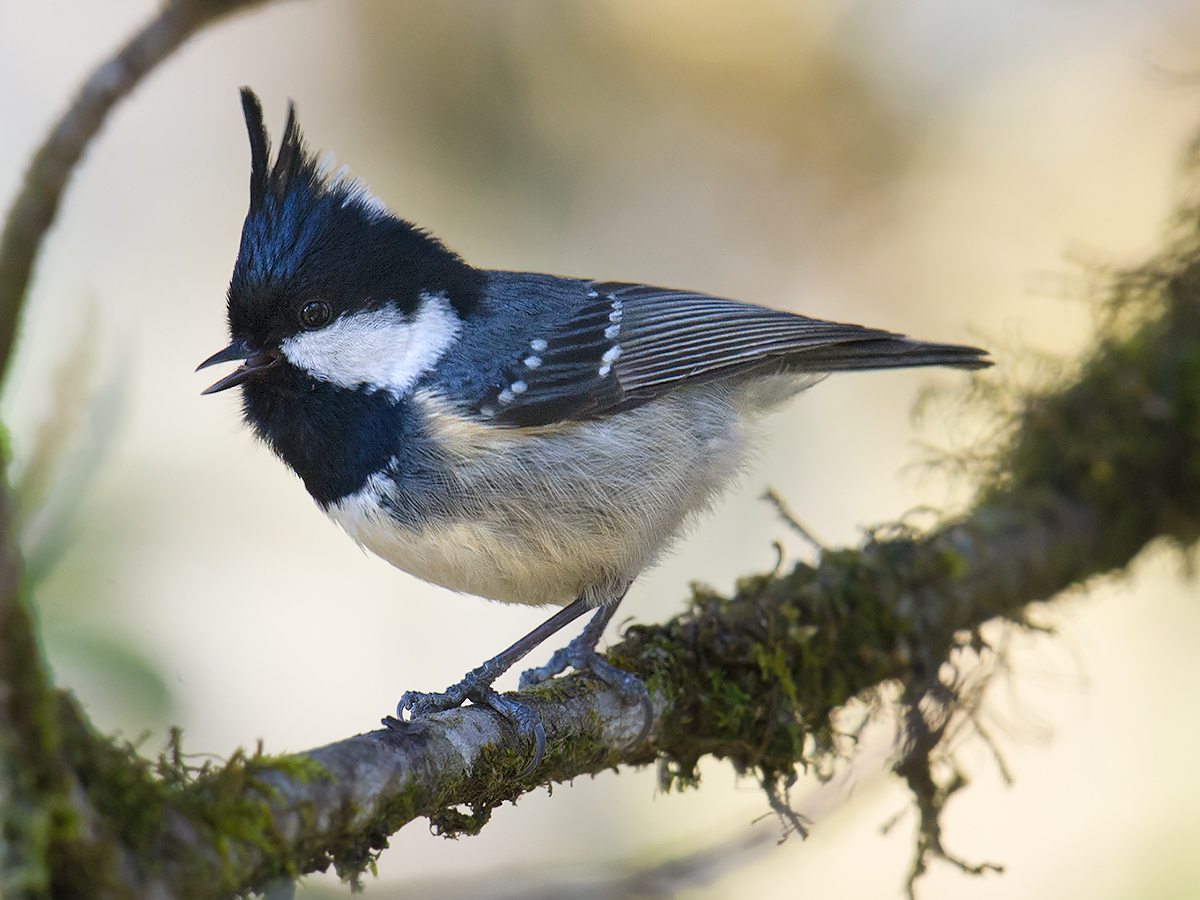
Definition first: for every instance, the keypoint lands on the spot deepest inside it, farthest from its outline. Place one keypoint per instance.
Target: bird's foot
(477, 687)
(581, 656)
(418, 704)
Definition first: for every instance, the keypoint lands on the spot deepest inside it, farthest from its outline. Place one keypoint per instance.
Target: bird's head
(328, 282)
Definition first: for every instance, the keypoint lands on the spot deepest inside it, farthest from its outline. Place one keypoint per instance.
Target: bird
(522, 437)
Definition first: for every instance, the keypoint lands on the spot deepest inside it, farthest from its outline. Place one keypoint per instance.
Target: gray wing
(629, 343)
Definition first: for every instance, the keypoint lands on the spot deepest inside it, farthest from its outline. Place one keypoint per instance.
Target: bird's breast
(477, 557)
(549, 515)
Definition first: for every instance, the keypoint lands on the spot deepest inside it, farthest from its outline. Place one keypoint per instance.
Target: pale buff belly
(550, 567)
(548, 517)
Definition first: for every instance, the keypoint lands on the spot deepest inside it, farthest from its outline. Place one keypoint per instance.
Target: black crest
(295, 168)
(312, 233)
(260, 144)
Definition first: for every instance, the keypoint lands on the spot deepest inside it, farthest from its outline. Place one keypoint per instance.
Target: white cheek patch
(382, 349)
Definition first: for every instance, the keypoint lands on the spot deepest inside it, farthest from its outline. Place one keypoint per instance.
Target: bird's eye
(315, 313)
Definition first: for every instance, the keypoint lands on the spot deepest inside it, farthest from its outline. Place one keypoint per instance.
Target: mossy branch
(1091, 473)
(35, 782)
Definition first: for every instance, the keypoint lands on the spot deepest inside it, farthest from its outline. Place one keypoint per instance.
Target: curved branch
(34, 210)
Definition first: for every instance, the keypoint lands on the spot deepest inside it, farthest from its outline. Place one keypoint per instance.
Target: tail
(886, 353)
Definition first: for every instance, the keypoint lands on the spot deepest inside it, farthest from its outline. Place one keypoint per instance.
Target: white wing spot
(532, 362)
(608, 359)
(518, 387)
(537, 345)
(592, 294)
(506, 396)
(487, 412)
(612, 331)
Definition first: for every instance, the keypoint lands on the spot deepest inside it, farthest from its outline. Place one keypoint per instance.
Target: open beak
(252, 361)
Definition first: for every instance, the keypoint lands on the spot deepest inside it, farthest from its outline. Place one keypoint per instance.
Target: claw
(419, 704)
(477, 685)
(526, 718)
(528, 722)
(558, 664)
(581, 656)
(629, 685)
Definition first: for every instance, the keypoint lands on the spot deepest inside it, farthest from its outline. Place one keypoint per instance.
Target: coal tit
(523, 437)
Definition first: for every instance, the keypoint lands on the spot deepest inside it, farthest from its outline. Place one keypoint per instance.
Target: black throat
(334, 438)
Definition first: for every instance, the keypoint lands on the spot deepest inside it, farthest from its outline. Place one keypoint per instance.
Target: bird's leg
(577, 649)
(476, 686)
(581, 655)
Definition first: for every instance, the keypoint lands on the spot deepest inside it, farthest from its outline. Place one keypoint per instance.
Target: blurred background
(937, 167)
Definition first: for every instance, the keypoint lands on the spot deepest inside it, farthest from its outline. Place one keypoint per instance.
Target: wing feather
(626, 344)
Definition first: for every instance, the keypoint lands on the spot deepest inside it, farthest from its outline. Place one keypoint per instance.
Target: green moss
(136, 802)
(37, 813)
(356, 853)
(754, 677)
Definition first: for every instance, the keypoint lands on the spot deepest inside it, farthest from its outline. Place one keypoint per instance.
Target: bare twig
(784, 512)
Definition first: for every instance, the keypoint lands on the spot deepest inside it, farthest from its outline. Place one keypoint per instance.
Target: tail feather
(887, 353)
